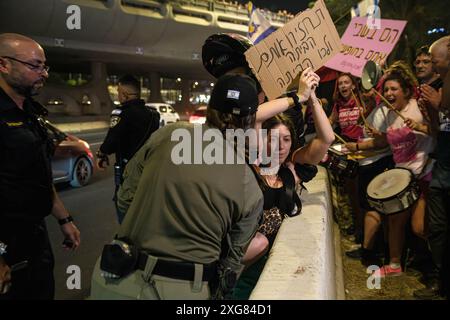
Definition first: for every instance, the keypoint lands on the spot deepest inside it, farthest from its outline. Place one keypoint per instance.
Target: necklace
(273, 180)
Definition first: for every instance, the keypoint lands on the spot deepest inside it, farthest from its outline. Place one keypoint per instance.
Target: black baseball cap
(236, 94)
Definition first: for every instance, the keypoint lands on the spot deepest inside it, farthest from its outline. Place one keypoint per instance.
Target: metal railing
(231, 8)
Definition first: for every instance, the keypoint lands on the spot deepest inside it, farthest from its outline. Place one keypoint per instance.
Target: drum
(393, 191)
(338, 163)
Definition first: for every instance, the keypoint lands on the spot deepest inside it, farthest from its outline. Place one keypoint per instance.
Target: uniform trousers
(28, 241)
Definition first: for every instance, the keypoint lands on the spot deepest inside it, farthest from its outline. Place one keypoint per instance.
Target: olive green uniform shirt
(183, 212)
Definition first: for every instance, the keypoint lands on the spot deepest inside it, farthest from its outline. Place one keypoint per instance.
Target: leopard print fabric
(272, 219)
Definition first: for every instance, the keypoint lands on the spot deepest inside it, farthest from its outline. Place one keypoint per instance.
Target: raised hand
(431, 96)
(308, 82)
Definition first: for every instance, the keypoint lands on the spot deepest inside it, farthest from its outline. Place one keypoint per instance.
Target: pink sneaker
(388, 271)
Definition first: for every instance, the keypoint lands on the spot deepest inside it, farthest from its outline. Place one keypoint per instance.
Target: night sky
(292, 6)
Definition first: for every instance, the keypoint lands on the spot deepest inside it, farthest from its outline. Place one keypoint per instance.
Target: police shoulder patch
(14, 124)
(114, 121)
(116, 112)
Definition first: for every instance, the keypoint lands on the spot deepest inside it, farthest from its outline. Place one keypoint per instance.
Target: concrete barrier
(78, 127)
(305, 260)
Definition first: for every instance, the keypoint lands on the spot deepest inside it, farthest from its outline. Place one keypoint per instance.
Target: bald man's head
(22, 64)
(440, 55)
(12, 44)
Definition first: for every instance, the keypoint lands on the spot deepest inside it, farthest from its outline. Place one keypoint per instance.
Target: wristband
(294, 97)
(65, 220)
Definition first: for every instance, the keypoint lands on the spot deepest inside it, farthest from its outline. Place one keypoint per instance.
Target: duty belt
(178, 270)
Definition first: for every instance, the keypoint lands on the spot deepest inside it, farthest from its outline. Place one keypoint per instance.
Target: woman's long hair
(224, 121)
(289, 197)
(336, 94)
(282, 119)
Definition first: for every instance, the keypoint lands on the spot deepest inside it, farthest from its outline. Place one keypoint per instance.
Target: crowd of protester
(407, 129)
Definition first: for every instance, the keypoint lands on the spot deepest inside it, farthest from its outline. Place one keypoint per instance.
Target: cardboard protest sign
(361, 44)
(308, 40)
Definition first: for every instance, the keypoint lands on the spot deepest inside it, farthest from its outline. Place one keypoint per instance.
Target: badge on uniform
(114, 121)
(14, 124)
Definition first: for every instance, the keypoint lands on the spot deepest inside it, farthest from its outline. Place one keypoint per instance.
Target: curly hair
(400, 71)
(403, 68)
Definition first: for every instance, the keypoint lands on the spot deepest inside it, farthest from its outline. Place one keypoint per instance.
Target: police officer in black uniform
(27, 194)
(131, 125)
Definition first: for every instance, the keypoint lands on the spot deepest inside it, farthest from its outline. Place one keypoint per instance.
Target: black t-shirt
(437, 84)
(279, 202)
(131, 125)
(26, 187)
(441, 169)
(442, 150)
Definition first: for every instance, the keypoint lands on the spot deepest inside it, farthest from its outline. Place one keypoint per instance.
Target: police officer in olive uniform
(131, 125)
(180, 213)
(27, 194)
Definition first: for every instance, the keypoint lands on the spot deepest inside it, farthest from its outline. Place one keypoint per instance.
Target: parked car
(166, 111)
(73, 160)
(198, 116)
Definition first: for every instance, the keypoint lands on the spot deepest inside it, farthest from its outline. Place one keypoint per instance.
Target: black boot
(431, 292)
(355, 254)
(368, 257)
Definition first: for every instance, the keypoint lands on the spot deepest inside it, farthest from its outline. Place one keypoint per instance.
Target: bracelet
(296, 99)
(65, 220)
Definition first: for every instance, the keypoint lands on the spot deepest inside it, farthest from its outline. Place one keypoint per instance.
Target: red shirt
(348, 116)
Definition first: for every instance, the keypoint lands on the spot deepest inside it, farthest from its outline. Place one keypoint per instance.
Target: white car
(167, 113)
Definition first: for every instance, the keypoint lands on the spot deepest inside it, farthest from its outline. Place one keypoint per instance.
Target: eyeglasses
(36, 68)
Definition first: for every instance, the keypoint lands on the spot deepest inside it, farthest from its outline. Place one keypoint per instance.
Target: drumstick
(340, 138)
(390, 105)
(344, 142)
(361, 110)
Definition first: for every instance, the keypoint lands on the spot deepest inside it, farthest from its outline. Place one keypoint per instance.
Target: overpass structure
(144, 37)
